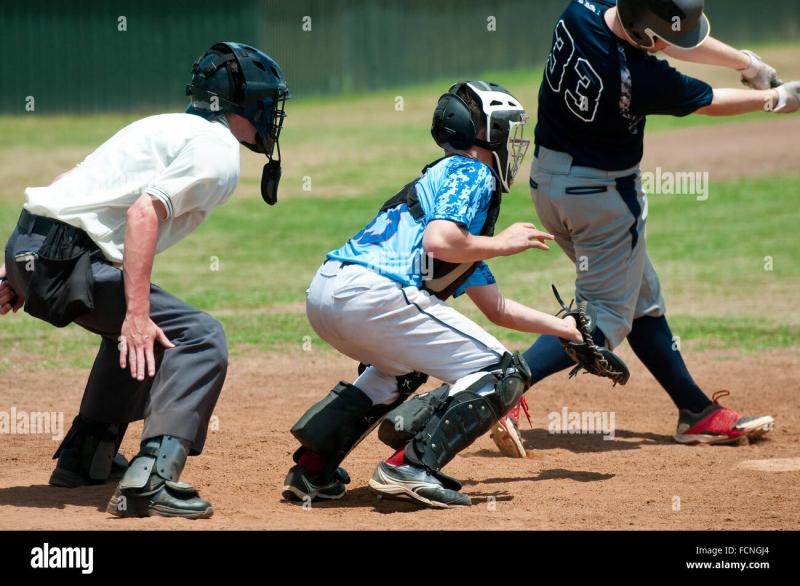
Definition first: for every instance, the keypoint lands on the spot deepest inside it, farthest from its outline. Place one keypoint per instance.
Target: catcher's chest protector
(445, 277)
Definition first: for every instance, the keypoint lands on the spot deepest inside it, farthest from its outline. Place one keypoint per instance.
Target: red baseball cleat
(505, 432)
(719, 425)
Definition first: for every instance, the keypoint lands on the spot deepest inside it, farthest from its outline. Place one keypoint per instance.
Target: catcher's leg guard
(150, 485)
(338, 423)
(471, 407)
(405, 421)
(89, 454)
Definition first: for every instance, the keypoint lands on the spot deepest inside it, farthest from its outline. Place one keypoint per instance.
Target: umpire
(83, 251)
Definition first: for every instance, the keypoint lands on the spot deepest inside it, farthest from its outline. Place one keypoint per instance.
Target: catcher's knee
(435, 426)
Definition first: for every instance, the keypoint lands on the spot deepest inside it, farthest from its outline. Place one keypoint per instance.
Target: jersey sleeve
(202, 176)
(467, 188)
(659, 88)
(482, 275)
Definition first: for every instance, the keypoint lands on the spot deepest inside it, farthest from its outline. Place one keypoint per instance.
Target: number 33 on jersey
(574, 77)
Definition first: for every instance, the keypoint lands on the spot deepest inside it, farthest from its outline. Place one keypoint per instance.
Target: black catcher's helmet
(239, 79)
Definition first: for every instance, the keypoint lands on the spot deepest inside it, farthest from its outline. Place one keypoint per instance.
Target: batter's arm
(755, 73)
(510, 314)
(712, 52)
(733, 101)
(451, 242)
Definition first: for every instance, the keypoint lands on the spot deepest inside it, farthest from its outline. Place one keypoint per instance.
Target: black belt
(31, 224)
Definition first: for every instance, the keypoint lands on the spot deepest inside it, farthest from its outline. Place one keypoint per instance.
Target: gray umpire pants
(598, 219)
(180, 398)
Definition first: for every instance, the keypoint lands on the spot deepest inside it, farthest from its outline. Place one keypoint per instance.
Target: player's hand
(10, 300)
(572, 331)
(789, 98)
(522, 236)
(759, 75)
(137, 338)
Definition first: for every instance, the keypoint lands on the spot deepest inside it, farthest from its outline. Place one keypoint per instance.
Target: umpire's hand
(10, 300)
(138, 336)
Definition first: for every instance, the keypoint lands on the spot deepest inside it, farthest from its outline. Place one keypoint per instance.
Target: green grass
(711, 253)
(358, 151)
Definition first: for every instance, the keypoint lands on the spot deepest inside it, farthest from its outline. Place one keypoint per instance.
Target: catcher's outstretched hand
(587, 355)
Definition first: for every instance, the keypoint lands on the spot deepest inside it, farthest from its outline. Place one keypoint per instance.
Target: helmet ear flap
(452, 127)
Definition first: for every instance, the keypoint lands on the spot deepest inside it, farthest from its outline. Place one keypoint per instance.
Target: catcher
(380, 299)
(601, 82)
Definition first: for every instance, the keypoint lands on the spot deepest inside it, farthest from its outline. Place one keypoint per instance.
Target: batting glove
(759, 75)
(788, 98)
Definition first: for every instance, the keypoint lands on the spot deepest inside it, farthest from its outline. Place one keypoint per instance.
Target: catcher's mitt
(587, 355)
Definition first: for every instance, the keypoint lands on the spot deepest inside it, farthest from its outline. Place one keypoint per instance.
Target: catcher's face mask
(506, 122)
(515, 150)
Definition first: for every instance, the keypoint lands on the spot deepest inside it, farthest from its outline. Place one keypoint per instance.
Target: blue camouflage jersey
(457, 189)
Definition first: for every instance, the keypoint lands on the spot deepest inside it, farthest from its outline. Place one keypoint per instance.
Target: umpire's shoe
(419, 485)
(88, 454)
(302, 486)
(150, 486)
(69, 473)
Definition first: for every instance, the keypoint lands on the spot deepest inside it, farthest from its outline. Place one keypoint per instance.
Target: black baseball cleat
(415, 483)
(163, 499)
(302, 486)
(69, 473)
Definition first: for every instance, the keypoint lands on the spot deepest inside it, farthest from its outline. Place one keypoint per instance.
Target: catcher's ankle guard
(447, 420)
(333, 427)
(89, 448)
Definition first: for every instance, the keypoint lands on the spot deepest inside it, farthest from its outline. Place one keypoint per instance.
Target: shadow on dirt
(364, 497)
(553, 474)
(45, 496)
(541, 439)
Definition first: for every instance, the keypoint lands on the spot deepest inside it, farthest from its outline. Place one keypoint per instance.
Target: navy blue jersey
(598, 89)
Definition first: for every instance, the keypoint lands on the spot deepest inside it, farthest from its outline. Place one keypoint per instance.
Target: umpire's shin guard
(89, 454)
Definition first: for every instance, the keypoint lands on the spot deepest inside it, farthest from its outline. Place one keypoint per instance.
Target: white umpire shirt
(190, 164)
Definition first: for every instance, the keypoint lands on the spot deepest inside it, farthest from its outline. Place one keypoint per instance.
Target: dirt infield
(636, 480)
(569, 481)
(728, 151)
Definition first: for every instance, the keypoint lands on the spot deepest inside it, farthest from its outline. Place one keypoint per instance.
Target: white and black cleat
(301, 486)
(415, 483)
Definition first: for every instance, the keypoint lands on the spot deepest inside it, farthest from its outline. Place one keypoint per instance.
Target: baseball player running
(83, 252)
(601, 82)
(380, 299)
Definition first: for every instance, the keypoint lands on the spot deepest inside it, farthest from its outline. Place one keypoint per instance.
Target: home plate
(773, 465)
